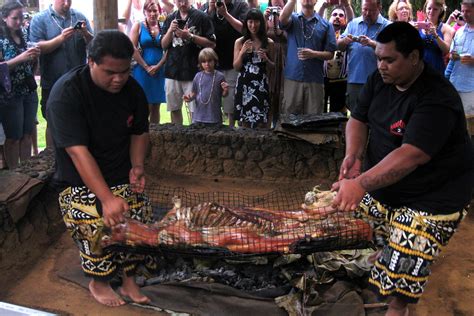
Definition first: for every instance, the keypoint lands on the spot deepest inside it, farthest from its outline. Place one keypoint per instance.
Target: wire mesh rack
(236, 224)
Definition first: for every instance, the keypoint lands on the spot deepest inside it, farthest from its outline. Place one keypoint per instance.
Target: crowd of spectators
(406, 118)
(277, 60)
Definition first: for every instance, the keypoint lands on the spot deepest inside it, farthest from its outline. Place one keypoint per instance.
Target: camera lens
(219, 3)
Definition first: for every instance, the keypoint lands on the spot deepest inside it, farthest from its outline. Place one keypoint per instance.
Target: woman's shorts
(411, 240)
(18, 116)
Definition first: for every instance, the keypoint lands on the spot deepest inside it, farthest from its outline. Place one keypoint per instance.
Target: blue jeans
(18, 115)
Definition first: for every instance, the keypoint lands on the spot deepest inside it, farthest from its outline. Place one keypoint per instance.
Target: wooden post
(105, 15)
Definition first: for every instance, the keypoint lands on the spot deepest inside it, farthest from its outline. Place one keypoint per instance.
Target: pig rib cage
(233, 224)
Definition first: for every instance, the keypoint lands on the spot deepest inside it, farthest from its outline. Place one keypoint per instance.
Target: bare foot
(397, 312)
(131, 290)
(104, 294)
(397, 307)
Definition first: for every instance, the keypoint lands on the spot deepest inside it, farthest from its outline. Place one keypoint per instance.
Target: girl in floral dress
(253, 53)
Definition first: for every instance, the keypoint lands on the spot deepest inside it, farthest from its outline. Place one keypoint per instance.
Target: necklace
(306, 37)
(151, 31)
(59, 25)
(212, 88)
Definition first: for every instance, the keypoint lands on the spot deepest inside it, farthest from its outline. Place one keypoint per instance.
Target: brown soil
(449, 292)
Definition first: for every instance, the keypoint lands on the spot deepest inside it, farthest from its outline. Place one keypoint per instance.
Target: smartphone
(420, 16)
(422, 25)
(459, 17)
(181, 23)
(78, 25)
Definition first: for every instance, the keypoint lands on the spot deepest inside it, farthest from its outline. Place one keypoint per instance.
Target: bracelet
(191, 37)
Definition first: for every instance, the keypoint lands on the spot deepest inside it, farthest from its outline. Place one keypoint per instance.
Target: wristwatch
(191, 37)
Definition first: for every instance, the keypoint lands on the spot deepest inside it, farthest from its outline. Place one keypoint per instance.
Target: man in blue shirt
(359, 41)
(461, 64)
(311, 41)
(63, 45)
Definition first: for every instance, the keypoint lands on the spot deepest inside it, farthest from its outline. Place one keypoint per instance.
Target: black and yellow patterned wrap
(411, 240)
(81, 212)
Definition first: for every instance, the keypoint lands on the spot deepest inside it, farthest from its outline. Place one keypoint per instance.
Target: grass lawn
(164, 118)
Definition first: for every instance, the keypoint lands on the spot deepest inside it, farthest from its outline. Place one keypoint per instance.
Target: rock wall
(29, 222)
(243, 153)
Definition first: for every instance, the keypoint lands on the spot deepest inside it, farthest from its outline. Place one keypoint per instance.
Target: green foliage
(165, 117)
(41, 127)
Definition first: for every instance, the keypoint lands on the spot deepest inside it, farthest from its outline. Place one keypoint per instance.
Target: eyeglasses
(403, 9)
(341, 15)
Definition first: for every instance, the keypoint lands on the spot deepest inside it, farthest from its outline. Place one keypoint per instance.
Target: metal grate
(235, 224)
(161, 198)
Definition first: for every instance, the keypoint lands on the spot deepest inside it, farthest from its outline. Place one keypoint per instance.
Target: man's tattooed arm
(394, 167)
(371, 183)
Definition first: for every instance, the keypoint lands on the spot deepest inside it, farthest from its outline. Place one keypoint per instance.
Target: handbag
(5, 84)
(31, 83)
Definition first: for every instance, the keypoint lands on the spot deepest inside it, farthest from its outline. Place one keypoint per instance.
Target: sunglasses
(341, 15)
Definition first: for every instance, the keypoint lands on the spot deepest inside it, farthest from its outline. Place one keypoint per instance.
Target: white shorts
(467, 99)
(175, 90)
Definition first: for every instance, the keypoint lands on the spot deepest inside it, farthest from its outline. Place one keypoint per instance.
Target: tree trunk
(105, 15)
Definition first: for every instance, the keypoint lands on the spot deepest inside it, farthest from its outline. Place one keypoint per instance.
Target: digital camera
(219, 3)
(275, 10)
(78, 25)
(181, 23)
(459, 17)
(356, 39)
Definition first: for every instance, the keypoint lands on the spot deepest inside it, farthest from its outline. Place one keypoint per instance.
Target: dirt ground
(449, 292)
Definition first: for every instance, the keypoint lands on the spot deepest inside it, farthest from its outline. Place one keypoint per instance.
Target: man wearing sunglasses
(335, 70)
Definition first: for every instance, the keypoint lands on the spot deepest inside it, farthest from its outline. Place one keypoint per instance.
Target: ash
(250, 274)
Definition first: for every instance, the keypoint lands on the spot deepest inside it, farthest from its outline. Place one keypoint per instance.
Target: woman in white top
(133, 12)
